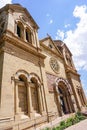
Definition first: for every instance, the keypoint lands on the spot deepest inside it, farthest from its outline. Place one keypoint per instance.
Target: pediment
(50, 45)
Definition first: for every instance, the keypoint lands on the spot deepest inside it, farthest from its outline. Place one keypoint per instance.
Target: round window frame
(53, 67)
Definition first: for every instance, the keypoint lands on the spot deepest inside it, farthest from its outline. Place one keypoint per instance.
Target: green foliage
(47, 129)
(79, 116)
(54, 128)
(70, 121)
(62, 123)
(58, 128)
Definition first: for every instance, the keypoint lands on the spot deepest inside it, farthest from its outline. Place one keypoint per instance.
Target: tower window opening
(28, 36)
(18, 31)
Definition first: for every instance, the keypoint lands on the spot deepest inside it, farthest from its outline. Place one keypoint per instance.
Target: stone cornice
(22, 44)
(69, 70)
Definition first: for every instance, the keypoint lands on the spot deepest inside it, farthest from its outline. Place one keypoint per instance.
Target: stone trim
(65, 82)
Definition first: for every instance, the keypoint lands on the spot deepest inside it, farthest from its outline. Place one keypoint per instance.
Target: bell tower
(19, 50)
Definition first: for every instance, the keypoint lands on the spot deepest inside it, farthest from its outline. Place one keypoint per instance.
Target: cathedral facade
(38, 79)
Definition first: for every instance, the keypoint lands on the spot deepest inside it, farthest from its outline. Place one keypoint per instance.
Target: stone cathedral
(38, 79)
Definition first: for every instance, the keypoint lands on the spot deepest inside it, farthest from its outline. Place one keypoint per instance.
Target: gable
(49, 44)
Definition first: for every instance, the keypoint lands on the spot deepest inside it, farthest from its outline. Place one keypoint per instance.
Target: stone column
(34, 40)
(59, 106)
(83, 97)
(30, 108)
(24, 37)
(16, 98)
(69, 103)
(36, 36)
(40, 100)
(74, 102)
(15, 29)
(65, 103)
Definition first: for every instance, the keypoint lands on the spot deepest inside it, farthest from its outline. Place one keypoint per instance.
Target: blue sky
(65, 20)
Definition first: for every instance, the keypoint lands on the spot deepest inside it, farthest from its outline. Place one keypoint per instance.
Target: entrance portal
(63, 100)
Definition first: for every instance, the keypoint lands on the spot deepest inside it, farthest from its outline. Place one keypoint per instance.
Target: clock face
(54, 65)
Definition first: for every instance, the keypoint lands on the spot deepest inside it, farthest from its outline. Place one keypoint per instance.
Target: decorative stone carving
(65, 82)
(54, 65)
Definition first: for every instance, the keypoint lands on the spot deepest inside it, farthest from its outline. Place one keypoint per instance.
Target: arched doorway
(63, 99)
(63, 90)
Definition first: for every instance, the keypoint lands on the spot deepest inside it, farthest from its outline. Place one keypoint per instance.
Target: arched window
(22, 95)
(34, 95)
(20, 30)
(2, 27)
(28, 36)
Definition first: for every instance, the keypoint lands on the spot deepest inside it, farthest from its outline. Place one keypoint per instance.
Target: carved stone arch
(28, 34)
(21, 72)
(18, 21)
(19, 28)
(66, 83)
(64, 95)
(33, 75)
(28, 27)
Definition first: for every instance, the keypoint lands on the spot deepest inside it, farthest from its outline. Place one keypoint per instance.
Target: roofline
(49, 37)
(20, 7)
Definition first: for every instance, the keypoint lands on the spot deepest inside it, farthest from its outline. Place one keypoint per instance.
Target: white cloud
(67, 25)
(60, 34)
(4, 2)
(76, 39)
(51, 21)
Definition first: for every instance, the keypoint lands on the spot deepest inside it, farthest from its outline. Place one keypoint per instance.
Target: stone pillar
(24, 37)
(69, 103)
(16, 98)
(34, 40)
(83, 96)
(32, 37)
(59, 106)
(40, 100)
(37, 40)
(65, 102)
(16, 29)
(74, 102)
(30, 108)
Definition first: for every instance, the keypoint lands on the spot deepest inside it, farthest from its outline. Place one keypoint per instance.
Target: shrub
(47, 129)
(62, 125)
(58, 128)
(69, 122)
(79, 116)
(54, 128)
